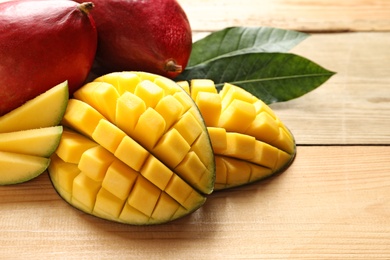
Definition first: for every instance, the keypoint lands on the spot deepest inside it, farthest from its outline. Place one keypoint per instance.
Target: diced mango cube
(95, 161)
(144, 196)
(129, 109)
(165, 208)
(210, 106)
(266, 155)
(149, 129)
(198, 148)
(149, 92)
(221, 172)
(188, 127)
(64, 174)
(101, 96)
(169, 86)
(230, 93)
(284, 141)
(183, 193)
(259, 172)
(238, 171)
(218, 139)
(170, 109)
(156, 172)
(131, 153)
(260, 106)
(81, 117)
(127, 82)
(177, 146)
(84, 191)
(202, 85)
(184, 85)
(263, 128)
(237, 117)
(191, 169)
(108, 135)
(111, 78)
(131, 215)
(184, 99)
(72, 146)
(108, 205)
(240, 146)
(119, 179)
(283, 159)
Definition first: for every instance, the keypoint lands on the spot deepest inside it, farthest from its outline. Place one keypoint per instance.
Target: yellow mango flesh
(18, 168)
(249, 141)
(135, 154)
(34, 113)
(39, 142)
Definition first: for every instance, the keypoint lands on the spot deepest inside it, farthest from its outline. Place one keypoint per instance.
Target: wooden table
(332, 203)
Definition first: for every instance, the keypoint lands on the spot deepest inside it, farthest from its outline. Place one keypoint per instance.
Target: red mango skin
(141, 35)
(43, 43)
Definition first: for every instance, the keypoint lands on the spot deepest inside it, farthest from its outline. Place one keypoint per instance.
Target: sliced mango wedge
(30, 134)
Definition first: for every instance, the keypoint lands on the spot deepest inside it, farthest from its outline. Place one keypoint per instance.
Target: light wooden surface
(332, 203)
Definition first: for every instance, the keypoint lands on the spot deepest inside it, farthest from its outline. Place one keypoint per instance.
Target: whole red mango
(149, 35)
(43, 43)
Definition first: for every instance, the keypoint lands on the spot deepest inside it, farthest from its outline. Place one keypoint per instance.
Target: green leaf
(272, 77)
(240, 40)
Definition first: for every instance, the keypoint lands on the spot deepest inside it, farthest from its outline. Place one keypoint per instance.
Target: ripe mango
(43, 43)
(249, 141)
(134, 150)
(149, 35)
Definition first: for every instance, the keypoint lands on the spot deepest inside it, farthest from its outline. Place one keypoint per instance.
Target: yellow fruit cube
(95, 161)
(129, 109)
(82, 117)
(108, 135)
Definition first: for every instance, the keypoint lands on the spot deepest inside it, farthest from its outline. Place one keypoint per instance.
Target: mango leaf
(272, 77)
(239, 40)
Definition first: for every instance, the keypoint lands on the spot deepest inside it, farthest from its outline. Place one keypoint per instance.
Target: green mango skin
(43, 43)
(145, 35)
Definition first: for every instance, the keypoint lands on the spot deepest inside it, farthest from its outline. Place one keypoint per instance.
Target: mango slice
(17, 168)
(39, 142)
(30, 134)
(135, 150)
(45, 110)
(249, 141)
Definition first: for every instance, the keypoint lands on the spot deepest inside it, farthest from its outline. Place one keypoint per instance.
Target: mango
(152, 36)
(30, 134)
(249, 141)
(43, 43)
(135, 150)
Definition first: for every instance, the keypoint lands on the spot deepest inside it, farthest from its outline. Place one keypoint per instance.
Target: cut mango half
(135, 150)
(249, 141)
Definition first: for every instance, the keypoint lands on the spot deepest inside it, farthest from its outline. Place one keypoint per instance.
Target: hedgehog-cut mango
(249, 141)
(134, 149)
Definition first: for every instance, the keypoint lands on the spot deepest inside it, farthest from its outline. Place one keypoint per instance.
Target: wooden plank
(333, 202)
(303, 15)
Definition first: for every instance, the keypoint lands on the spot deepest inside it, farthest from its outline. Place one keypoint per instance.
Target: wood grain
(333, 202)
(303, 15)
